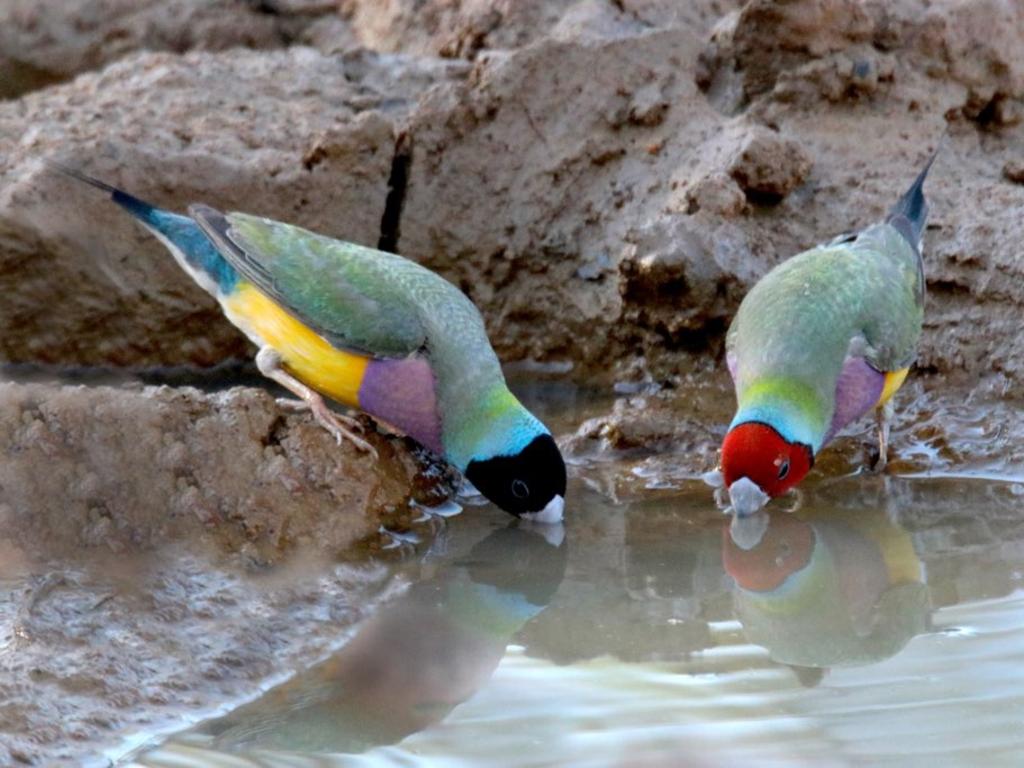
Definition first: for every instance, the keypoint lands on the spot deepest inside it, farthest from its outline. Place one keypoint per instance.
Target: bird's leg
(291, 405)
(269, 363)
(883, 417)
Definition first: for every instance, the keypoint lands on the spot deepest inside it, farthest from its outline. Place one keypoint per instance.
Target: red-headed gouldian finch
(821, 340)
(829, 587)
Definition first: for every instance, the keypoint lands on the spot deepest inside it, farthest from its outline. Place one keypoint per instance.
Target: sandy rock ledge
(128, 469)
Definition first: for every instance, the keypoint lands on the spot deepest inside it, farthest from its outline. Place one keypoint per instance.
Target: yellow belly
(893, 381)
(305, 354)
(894, 544)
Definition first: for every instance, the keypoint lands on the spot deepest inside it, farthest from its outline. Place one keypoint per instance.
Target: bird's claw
(404, 541)
(714, 478)
(798, 501)
(332, 422)
(439, 513)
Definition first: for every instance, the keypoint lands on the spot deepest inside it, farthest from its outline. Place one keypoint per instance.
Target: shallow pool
(880, 623)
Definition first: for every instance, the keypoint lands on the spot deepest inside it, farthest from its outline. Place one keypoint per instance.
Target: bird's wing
(893, 317)
(340, 290)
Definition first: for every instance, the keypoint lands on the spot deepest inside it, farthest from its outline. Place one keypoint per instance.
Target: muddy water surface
(881, 622)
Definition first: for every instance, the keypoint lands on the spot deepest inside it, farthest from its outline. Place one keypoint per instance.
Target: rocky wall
(606, 180)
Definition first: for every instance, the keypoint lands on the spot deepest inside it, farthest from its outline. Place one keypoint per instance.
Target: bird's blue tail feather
(182, 232)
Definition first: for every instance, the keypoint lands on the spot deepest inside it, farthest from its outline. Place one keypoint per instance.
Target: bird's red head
(785, 548)
(759, 452)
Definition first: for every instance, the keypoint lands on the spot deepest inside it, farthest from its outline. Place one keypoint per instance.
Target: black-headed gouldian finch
(409, 665)
(821, 340)
(370, 330)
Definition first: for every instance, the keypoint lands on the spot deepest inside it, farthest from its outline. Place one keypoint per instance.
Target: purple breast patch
(857, 390)
(401, 392)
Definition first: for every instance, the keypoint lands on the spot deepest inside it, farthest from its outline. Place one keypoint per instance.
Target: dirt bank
(123, 469)
(605, 179)
(98, 652)
(137, 527)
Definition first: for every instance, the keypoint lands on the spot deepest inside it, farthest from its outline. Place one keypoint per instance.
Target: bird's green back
(383, 305)
(862, 297)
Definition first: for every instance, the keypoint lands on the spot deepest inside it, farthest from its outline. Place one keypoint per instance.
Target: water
(874, 620)
(880, 623)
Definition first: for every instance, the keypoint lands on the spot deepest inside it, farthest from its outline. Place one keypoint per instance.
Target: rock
(290, 134)
(123, 469)
(541, 196)
(978, 46)
(535, 191)
(540, 181)
(716, 193)
(466, 29)
(767, 37)
(769, 167)
(48, 41)
(1013, 170)
(853, 74)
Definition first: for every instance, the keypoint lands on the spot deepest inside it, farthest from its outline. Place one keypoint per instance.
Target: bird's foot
(796, 503)
(269, 363)
(333, 422)
(404, 541)
(438, 514)
(301, 406)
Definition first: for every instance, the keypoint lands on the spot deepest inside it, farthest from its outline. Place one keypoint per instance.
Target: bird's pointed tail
(180, 234)
(132, 204)
(910, 214)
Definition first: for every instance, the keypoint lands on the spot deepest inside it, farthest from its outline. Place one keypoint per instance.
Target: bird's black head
(529, 484)
(518, 560)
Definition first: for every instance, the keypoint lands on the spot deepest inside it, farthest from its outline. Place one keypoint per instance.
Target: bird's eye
(520, 489)
(784, 469)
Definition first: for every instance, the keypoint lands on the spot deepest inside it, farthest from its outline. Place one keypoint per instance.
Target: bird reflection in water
(414, 661)
(827, 588)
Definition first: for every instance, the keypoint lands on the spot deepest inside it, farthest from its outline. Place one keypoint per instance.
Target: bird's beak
(747, 532)
(552, 513)
(746, 497)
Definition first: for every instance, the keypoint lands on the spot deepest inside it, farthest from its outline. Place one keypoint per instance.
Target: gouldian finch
(370, 330)
(821, 340)
(829, 587)
(413, 662)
